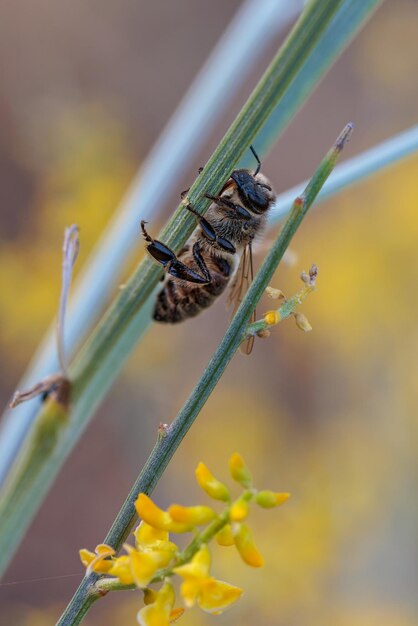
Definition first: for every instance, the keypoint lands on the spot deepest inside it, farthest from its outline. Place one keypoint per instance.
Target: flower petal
(239, 470)
(216, 596)
(145, 564)
(195, 515)
(189, 590)
(121, 568)
(147, 535)
(176, 614)
(213, 487)
(270, 499)
(238, 511)
(98, 561)
(246, 547)
(225, 537)
(198, 567)
(159, 612)
(156, 517)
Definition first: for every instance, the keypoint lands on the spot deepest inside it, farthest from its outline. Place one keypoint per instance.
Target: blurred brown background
(85, 89)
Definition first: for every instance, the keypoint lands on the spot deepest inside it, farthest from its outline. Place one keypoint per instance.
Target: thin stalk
(172, 435)
(33, 472)
(285, 310)
(355, 170)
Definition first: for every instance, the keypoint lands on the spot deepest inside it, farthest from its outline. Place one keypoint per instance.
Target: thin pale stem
(70, 250)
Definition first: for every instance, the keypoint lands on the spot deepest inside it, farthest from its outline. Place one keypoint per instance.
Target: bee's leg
(168, 259)
(209, 232)
(159, 251)
(184, 272)
(235, 211)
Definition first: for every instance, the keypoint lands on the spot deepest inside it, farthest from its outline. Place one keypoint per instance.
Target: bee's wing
(239, 287)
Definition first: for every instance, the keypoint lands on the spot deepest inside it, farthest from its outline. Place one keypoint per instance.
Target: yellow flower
(147, 537)
(213, 487)
(145, 564)
(239, 470)
(98, 560)
(270, 499)
(211, 595)
(195, 515)
(150, 597)
(121, 568)
(198, 567)
(272, 318)
(239, 510)
(153, 551)
(158, 613)
(246, 546)
(156, 517)
(216, 595)
(225, 537)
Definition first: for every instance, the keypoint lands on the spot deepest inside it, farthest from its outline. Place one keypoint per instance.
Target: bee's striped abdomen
(179, 300)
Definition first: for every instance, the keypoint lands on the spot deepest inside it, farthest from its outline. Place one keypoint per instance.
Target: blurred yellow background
(329, 416)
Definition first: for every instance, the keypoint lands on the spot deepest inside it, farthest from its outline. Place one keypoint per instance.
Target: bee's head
(254, 190)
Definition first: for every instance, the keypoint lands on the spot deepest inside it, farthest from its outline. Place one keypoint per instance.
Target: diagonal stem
(171, 436)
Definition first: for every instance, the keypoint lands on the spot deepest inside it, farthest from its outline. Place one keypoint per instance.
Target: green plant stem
(172, 435)
(104, 351)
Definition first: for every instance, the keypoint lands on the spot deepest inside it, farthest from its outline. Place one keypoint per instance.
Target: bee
(219, 251)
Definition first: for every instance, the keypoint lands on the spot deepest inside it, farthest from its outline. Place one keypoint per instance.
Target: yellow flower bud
(194, 515)
(246, 546)
(302, 322)
(156, 517)
(272, 317)
(238, 511)
(239, 471)
(270, 499)
(225, 537)
(213, 487)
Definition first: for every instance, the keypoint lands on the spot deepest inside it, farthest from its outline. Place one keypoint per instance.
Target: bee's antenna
(257, 159)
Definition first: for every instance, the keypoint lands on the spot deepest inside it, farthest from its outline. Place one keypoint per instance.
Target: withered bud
(275, 294)
(313, 272)
(310, 279)
(302, 322)
(163, 430)
(55, 386)
(263, 333)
